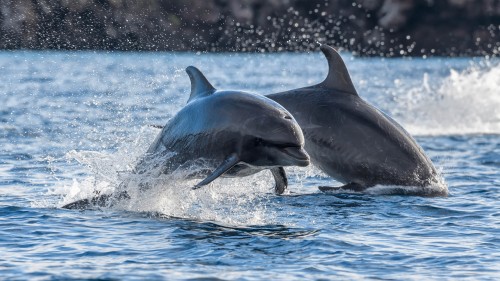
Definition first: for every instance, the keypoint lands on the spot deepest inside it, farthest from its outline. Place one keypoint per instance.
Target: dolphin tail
(105, 200)
(280, 179)
(156, 126)
(338, 77)
(227, 164)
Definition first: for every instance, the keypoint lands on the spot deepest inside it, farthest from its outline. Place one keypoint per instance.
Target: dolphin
(351, 140)
(234, 133)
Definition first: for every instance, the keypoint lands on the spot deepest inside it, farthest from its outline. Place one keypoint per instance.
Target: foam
(230, 201)
(465, 102)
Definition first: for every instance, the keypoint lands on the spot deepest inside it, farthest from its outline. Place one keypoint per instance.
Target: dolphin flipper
(105, 200)
(280, 179)
(227, 164)
(348, 187)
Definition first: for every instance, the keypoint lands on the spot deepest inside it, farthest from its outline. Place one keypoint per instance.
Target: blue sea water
(72, 122)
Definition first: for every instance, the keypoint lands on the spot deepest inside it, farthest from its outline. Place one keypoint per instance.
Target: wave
(464, 102)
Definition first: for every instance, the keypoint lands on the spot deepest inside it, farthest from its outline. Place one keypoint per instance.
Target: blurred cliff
(366, 27)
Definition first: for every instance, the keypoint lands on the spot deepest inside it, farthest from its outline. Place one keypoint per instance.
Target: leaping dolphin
(235, 133)
(351, 140)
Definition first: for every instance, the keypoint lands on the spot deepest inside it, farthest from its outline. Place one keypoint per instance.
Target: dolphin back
(350, 139)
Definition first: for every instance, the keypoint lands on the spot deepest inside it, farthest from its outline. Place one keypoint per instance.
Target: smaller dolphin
(351, 140)
(236, 134)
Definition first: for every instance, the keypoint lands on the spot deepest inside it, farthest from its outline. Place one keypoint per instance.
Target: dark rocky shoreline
(365, 27)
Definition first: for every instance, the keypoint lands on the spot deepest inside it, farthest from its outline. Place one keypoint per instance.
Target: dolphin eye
(288, 117)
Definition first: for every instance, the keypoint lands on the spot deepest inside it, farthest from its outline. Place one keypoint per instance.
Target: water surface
(72, 122)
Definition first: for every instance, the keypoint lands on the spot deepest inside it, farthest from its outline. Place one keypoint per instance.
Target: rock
(366, 27)
(394, 14)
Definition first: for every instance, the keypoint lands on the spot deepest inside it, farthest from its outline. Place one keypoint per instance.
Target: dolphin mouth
(298, 154)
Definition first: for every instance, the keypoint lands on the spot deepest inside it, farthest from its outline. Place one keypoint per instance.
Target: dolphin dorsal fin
(338, 77)
(200, 87)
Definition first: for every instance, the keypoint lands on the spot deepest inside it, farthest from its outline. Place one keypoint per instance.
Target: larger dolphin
(234, 133)
(351, 140)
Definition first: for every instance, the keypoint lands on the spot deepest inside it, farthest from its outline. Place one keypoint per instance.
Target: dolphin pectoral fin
(329, 188)
(227, 164)
(106, 200)
(280, 179)
(348, 187)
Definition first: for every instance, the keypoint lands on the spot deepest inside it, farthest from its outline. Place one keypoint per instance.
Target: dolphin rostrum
(235, 133)
(351, 140)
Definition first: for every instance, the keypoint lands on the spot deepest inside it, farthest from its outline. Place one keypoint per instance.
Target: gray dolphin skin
(351, 140)
(238, 133)
(235, 133)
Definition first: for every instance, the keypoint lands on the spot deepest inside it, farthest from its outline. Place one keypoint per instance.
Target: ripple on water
(71, 123)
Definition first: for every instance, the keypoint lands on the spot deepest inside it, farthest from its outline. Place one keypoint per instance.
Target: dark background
(365, 27)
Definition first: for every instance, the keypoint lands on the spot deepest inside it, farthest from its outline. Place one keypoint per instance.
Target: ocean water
(72, 123)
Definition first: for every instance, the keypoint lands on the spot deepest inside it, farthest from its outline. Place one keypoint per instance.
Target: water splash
(437, 189)
(228, 201)
(231, 201)
(465, 102)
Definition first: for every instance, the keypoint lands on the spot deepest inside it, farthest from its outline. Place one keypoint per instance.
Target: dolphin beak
(298, 154)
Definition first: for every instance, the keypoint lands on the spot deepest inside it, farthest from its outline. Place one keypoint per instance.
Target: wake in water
(465, 102)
